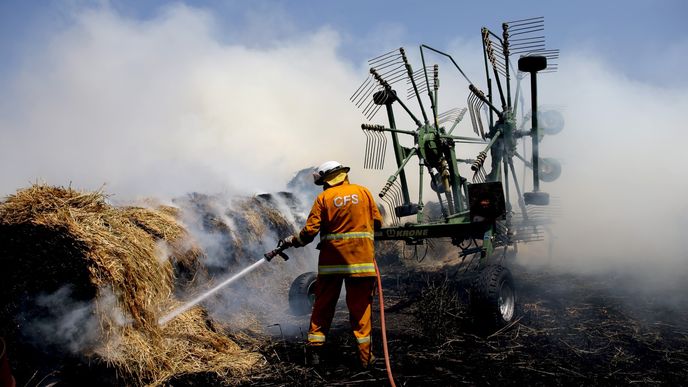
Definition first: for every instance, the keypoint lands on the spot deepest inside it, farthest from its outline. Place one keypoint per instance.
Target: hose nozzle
(281, 246)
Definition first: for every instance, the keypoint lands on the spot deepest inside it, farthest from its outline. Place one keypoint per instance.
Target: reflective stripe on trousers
(316, 338)
(354, 268)
(359, 294)
(363, 340)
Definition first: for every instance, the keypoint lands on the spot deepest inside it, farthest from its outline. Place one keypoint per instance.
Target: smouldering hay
(186, 345)
(162, 225)
(254, 218)
(119, 247)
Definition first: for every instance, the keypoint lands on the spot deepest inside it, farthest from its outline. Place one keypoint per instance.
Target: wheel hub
(506, 302)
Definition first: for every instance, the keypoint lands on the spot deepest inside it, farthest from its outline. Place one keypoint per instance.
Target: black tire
(493, 297)
(302, 293)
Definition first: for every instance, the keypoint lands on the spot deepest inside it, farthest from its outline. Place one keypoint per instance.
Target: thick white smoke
(620, 195)
(163, 107)
(623, 184)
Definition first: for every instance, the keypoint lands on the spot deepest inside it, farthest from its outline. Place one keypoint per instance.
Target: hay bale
(238, 230)
(53, 236)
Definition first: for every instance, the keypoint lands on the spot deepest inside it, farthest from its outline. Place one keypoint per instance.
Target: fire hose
(281, 246)
(267, 257)
(383, 328)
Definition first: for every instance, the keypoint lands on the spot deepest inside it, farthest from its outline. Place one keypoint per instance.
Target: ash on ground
(569, 330)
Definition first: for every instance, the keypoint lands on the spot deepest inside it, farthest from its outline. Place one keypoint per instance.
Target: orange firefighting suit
(345, 215)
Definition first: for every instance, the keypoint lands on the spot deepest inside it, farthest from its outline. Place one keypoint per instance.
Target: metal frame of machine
(481, 209)
(477, 216)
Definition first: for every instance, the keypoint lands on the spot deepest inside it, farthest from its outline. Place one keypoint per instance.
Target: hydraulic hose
(383, 327)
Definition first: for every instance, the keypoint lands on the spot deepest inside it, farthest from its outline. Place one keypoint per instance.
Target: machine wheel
(550, 169)
(302, 293)
(493, 297)
(551, 121)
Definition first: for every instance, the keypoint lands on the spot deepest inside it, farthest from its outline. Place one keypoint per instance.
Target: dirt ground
(569, 330)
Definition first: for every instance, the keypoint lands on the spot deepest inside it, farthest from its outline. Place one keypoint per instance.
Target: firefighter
(346, 216)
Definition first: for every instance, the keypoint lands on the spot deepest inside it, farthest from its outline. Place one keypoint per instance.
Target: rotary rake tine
(391, 66)
(361, 90)
(382, 58)
(526, 26)
(385, 70)
(449, 116)
(527, 45)
(382, 154)
(457, 115)
(496, 57)
(372, 108)
(524, 39)
(475, 104)
(552, 56)
(393, 198)
(419, 79)
(414, 86)
(362, 97)
(368, 150)
(376, 146)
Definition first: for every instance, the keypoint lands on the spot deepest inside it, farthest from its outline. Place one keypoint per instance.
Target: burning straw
(52, 236)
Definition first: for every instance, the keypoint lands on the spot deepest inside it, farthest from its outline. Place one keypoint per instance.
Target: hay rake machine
(492, 213)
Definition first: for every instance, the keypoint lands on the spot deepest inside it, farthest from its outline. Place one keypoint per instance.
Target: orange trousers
(359, 297)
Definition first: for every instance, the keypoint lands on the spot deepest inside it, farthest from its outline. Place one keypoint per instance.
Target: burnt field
(570, 330)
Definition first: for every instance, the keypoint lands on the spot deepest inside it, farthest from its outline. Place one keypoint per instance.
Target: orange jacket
(345, 216)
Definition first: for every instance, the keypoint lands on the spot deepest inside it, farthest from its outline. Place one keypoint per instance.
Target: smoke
(163, 107)
(166, 106)
(620, 195)
(622, 184)
(236, 231)
(58, 320)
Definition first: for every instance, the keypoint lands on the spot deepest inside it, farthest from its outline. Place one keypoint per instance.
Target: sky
(108, 74)
(641, 37)
(161, 98)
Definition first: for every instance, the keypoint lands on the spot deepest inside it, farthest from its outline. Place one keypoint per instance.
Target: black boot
(314, 355)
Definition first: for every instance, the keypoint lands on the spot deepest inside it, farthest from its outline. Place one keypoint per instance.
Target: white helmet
(328, 169)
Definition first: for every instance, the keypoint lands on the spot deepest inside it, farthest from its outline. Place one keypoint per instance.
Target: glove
(290, 241)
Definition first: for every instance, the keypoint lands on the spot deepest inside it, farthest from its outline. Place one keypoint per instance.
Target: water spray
(266, 258)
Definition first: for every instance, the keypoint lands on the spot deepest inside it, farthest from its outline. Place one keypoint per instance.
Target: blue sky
(637, 36)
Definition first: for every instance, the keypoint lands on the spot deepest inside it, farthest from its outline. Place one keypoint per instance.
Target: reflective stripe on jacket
(345, 216)
(347, 235)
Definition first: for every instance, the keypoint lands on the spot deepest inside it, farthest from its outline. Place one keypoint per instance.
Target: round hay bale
(114, 266)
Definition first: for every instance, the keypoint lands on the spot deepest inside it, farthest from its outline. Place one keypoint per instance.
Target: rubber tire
(550, 169)
(302, 293)
(551, 121)
(486, 290)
